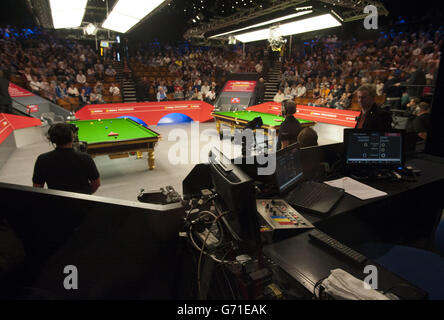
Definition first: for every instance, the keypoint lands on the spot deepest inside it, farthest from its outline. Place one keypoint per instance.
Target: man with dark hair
(5, 98)
(421, 123)
(372, 117)
(64, 168)
(290, 128)
(307, 138)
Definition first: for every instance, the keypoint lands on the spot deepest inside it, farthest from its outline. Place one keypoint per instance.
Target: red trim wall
(345, 118)
(9, 123)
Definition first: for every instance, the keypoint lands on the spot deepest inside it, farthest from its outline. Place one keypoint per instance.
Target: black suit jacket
(5, 98)
(376, 119)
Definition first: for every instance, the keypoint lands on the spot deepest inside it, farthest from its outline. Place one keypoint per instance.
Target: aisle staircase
(126, 82)
(272, 81)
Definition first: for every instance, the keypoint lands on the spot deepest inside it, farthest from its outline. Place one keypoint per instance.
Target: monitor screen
(288, 167)
(374, 148)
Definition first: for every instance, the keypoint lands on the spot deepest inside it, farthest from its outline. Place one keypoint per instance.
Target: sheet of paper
(356, 188)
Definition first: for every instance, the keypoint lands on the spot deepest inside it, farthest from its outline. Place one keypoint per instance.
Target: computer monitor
(288, 168)
(237, 196)
(370, 149)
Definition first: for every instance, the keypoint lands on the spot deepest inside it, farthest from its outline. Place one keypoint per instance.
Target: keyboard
(337, 247)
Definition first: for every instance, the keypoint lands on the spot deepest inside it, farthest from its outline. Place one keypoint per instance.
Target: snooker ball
(92, 123)
(106, 127)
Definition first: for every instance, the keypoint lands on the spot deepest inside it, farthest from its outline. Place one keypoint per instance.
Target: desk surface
(357, 221)
(309, 263)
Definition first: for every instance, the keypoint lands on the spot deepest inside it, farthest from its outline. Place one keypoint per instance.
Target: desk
(407, 216)
(132, 138)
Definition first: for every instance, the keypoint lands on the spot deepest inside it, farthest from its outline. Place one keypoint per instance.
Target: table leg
(151, 158)
(139, 155)
(218, 127)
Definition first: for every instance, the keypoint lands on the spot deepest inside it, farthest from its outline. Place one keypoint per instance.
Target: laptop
(310, 196)
(370, 151)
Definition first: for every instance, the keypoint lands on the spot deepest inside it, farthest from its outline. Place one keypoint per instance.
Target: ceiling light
(265, 23)
(127, 13)
(67, 13)
(301, 26)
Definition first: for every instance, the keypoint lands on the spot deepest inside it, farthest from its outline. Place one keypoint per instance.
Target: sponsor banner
(240, 86)
(18, 92)
(345, 118)
(32, 108)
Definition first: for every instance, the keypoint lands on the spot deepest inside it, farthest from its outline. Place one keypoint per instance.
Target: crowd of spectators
(55, 68)
(195, 73)
(401, 65)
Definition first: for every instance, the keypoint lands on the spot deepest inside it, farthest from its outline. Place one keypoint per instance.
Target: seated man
(279, 97)
(372, 117)
(290, 128)
(161, 95)
(96, 97)
(307, 138)
(114, 90)
(421, 123)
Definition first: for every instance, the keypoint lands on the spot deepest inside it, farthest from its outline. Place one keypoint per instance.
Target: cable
(203, 247)
(316, 285)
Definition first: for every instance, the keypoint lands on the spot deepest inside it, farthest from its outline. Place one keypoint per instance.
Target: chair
(52, 118)
(422, 268)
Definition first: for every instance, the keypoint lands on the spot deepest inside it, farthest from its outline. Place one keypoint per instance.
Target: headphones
(61, 133)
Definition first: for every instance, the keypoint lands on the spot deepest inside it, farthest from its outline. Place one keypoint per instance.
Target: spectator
(161, 95)
(61, 91)
(73, 91)
(413, 106)
(114, 90)
(83, 98)
(110, 72)
(210, 97)
(301, 90)
(205, 89)
(178, 93)
(421, 123)
(279, 97)
(96, 97)
(99, 88)
(81, 77)
(197, 95)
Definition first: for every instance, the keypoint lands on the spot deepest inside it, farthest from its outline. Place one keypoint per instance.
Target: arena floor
(124, 178)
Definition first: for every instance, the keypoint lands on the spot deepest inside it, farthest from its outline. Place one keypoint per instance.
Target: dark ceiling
(174, 19)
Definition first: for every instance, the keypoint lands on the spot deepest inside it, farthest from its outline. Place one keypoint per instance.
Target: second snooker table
(132, 137)
(239, 119)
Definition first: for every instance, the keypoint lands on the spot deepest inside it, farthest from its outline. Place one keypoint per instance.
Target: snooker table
(132, 137)
(239, 119)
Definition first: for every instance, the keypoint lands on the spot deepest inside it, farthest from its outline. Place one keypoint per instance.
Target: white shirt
(300, 91)
(115, 91)
(279, 97)
(81, 78)
(73, 91)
